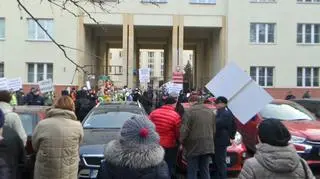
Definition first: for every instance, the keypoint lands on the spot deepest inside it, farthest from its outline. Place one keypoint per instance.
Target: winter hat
(273, 132)
(170, 100)
(138, 132)
(221, 99)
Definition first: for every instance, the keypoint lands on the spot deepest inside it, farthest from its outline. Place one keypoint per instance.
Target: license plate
(228, 160)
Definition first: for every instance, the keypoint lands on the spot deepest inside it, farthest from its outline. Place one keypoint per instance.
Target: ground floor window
(262, 75)
(308, 76)
(39, 71)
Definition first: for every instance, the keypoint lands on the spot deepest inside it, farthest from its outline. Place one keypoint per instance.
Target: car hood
(304, 128)
(95, 139)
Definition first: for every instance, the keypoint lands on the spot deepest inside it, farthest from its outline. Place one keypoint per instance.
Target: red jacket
(167, 122)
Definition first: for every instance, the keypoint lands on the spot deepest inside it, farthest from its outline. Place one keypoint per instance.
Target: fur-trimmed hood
(120, 155)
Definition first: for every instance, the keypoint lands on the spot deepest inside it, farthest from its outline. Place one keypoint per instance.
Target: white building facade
(276, 42)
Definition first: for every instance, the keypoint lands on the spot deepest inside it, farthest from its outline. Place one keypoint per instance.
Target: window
(150, 60)
(120, 54)
(36, 33)
(2, 28)
(162, 54)
(1, 70)
(150, 54)
(203, 1)
(308, 1)
(308, 76)
(150, 66)
(262, 33)
(154, 1)
(39, 71)
(263, 1)
(308, 33)
(262, 75)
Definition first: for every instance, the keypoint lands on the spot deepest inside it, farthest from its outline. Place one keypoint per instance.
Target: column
(174, 44)
(181, 40)
(80, 45)
(165, 63)
(137, 66)
(223, 42)
(125, 48)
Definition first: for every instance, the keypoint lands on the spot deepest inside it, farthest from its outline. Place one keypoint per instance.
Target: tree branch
(60, 46)
(63, 7)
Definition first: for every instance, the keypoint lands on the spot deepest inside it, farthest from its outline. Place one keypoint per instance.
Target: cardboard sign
(15, 84)
(46, 86)
(246, 97)
(4, 84)
(174, 88)
(144, 75)
(88, 85)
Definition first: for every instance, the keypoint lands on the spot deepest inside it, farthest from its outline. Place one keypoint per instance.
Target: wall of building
(285, 55)
(16, 50)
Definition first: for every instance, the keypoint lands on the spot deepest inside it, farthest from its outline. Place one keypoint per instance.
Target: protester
(34, 98)
(179, 109)
(20, 97)
(14, 101)
(306, 95)
(275, 157)
(136, 154)
(290, 96)
(225, 131)
(11, 151)
(83, 105)
(197, 137)
(146, 102)
(12, 119)
(167, 122)
(56, 141)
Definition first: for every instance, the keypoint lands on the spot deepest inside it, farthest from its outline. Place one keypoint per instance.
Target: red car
(30, 116)
(236, 153)
(302, 124)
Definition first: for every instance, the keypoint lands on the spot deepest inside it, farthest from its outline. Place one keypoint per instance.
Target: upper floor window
(263, 1)
(2, 28)
(262, 75)
(39, 71)
(150, 54)
(308, 1)
(308, 76)
(203, 1)
(308, 33)
(1, 70)
(36, 33)
(262, 33)
(154, 1)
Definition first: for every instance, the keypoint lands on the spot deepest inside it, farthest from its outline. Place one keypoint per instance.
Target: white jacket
(13, 121)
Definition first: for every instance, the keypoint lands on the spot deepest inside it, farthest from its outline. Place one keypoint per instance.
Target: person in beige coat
(275, 157)
(56, 140)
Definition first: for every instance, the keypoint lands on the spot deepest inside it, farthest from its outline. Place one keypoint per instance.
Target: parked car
(100, 126)
(236, 153)
(313, 105)
(301, 123)
(30, 116)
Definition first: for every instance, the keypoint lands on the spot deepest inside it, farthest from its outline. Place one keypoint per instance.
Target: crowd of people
(146, 148)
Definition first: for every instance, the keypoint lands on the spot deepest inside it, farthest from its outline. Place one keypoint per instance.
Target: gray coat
(198, 130)
(275, 162)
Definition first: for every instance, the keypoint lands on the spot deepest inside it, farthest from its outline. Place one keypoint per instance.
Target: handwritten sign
(46, 86)
(4, 84)
(14, 84)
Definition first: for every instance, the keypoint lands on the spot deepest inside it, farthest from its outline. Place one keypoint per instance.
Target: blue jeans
(200, 163)
(219, 161)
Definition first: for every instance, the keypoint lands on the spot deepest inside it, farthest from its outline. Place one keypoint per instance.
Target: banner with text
(46, 86)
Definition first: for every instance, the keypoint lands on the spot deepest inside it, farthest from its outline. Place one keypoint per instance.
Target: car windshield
(109, 118)
(287, 112)
(27, 122)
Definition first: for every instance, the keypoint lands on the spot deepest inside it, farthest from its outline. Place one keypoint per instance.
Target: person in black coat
(146, 102)
(83, 105)
(225, 132)
(12, 152)
(136, 154)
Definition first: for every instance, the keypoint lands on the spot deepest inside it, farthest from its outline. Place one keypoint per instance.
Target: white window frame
(265, 75)
(203, 1)
(154, 1)
(304, 33)
(266, 36)
(308, 2)
(304, 76)
(2, 19)
(37, 28)
(35, 71)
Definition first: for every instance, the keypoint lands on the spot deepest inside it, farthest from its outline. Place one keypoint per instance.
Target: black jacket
(12, 152)
(32, 99)
(225, 127)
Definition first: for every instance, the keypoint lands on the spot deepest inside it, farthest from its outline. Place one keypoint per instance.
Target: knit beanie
(139, 132)
(273, 132)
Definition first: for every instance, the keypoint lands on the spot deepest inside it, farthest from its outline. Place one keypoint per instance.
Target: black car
(100, 126)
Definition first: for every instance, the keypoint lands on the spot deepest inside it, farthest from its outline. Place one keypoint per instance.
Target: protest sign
(4, 84)
(246, 97)
(46, 86)
(14, 84)
(174, 88)
(144, 75)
